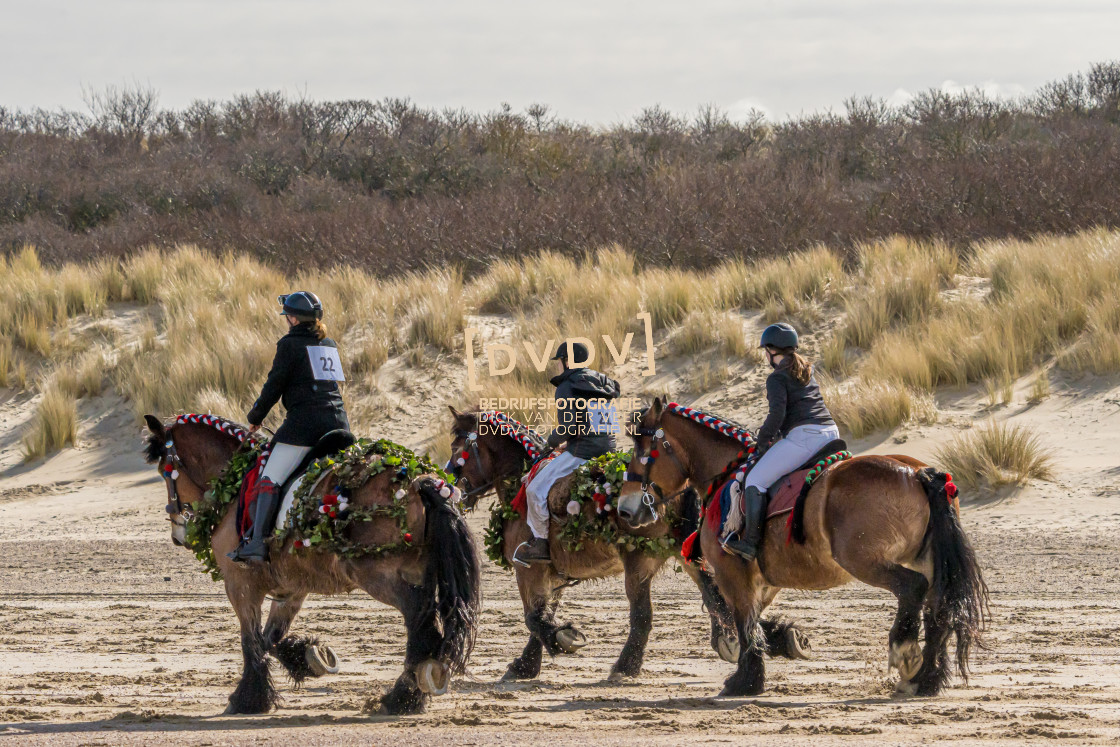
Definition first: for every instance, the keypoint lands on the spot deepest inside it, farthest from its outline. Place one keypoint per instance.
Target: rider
(588, 421)
(798, 426)
(304, 377)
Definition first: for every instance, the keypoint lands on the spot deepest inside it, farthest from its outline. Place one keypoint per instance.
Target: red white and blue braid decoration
(515, 429)
(740, 434)
(227, 427)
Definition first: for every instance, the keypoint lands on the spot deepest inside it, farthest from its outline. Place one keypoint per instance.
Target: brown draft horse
(885, 521)
(497, 460)
(435, 584)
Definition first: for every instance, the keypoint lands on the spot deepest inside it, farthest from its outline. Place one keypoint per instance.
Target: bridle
(470, 451)
(455, 466)
(178, 514)
(657, 432)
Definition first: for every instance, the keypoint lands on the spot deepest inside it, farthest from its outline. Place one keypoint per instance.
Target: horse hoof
(321, 660)
(728, 649)
(433, 677)
(799, 645)
(619, 677)
(906, 687)
(907, 658)
(570, 640)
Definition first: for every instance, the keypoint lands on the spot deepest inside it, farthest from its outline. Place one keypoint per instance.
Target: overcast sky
(600, 61)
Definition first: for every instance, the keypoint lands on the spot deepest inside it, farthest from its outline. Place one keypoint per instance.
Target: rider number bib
(325, 363)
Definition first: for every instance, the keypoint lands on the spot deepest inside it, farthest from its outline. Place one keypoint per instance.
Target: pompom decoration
(644, 460)
(607, 488)
(445, 492)
(654, 454)
(659, 433)
(399, 494)
(950, 489)
(608, 507)
(408, 536)
(573, 507)
(174, 474)
(463, 455)
(460, 461)
(169, 444)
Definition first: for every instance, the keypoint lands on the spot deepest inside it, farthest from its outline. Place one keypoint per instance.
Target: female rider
(798, 426)
(304, 377)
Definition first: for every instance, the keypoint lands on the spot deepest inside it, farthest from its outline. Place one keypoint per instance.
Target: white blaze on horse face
(178, 532)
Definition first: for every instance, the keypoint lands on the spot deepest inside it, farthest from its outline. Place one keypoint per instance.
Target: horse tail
(957, 600)
(453, 574)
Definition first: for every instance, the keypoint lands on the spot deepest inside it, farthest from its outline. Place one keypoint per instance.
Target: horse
(884, 520)
(434, 581)
(495, 460)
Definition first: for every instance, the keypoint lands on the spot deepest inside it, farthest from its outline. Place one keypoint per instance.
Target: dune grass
(208, 323)
(55, 424)
(994, 455)
(863, 408)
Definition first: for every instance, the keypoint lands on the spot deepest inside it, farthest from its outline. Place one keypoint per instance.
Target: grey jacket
(576, 424)
(791, 404)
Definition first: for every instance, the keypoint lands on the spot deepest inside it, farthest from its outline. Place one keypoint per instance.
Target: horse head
(188, 456)
(658, 471)
(484, 452)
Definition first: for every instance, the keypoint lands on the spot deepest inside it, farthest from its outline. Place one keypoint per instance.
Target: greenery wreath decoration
(321, 523)
(597, 481)
(215, 503)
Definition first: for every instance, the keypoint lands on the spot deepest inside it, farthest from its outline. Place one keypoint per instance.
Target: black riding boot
(256, 549)
(749, 541)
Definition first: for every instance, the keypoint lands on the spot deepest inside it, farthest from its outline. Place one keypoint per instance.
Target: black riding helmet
(579, 352)
(780, 335)
(303, 305)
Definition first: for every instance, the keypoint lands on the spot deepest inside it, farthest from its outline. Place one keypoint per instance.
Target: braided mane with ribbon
(228, 427)
(515, 429)
(717, 424)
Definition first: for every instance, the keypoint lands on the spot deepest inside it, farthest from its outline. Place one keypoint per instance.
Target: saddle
(331, 443)
(783, 494)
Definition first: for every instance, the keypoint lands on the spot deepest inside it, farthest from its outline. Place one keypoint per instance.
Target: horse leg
(535, 586)
(725, 641)
(290, 651)
(254, 693)
(935, 672)
(743, 588)
(910, 588)
(640, 570)
(422, 643)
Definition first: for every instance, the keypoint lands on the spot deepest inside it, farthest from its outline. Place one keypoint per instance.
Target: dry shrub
(995, 455)
(1098, 351)
(863, 408)
(703, 330)
(54, 426)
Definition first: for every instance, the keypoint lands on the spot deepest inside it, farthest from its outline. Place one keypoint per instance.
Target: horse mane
(154, 448)
(717, 423)
(536, 441)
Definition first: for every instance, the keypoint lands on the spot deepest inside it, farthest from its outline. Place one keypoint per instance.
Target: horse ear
(154, 424)
(454, 413)
(657, 407)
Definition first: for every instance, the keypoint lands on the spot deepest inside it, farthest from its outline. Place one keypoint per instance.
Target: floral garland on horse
(320, 524)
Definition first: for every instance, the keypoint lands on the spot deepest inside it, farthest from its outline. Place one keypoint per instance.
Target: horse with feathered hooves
(888, 521)
(433, 578)
(494, 459)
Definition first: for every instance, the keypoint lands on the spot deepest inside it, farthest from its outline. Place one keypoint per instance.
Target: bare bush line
(394, 187)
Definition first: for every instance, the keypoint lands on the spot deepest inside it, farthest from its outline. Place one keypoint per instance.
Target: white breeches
(537, 491)
(789, 453)
(282, 462)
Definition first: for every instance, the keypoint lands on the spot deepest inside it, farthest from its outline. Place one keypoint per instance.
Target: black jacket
(314, 407)
(791, 404)
(574, 423)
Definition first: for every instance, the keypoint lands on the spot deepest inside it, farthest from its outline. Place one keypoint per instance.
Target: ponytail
(799, 368)
(319, 328)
